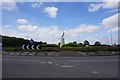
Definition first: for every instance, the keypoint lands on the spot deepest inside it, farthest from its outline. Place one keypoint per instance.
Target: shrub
(49, 45)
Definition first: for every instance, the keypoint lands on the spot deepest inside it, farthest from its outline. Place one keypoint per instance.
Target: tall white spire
(62, 40)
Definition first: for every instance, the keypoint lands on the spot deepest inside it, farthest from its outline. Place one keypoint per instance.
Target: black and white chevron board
(33, 47)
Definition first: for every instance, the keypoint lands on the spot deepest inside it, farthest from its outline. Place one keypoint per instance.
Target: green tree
(86, 42)
(80, 43)
(75, 42)
(59, 43)
(17, 42)
(97, 43)
(70, 44)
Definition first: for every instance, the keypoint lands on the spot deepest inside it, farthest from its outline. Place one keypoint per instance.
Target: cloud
(86, 28)
(113, 30)
(27, 28)
(94, 7)
(51, 11)
(11, 31)
(114, 10)
(104, 39)
(109, 5)
(49, 33)
(111, 21)
(9, 6)
(35, 5)
(22, 21)
(99, 38)
(104, 5)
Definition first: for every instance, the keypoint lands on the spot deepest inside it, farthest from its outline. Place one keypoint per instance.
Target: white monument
(62, 40)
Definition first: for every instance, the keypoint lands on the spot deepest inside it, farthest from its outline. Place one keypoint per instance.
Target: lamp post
(78, 37)
(111, 37)
(107, 40)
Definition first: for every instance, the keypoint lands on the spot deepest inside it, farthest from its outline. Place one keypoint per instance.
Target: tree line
(18, 42)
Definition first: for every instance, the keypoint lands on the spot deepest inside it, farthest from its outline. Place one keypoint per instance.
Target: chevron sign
(33, 47)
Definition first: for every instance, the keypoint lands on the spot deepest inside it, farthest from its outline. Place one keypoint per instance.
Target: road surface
(60, 67)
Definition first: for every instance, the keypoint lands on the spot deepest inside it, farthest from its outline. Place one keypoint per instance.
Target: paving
(59, 66)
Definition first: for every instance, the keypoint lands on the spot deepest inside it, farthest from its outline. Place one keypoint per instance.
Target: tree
(13, 41)
(97, 43)
(75, 42)
(59, 43)
(86, 42)
(70, 44)
(80, 43)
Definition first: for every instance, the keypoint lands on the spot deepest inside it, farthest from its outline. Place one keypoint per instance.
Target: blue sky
(45, 21)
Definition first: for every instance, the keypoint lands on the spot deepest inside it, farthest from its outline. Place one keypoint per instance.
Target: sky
(46, 21)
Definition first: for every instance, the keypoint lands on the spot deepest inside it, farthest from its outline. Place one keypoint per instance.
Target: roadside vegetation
(14, 44)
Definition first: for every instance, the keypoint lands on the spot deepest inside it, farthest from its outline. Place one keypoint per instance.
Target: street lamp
(111, 37)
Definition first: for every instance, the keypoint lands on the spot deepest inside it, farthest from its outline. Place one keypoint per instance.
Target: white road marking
(42, 62)
(50, 62)
(69, 61)
(24, 53)
(67, 66)
(90, 60)
(11, 53)
(94, 72)
(26, 60)
(56, 64)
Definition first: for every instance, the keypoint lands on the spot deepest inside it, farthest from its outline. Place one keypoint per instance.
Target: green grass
(57, 49)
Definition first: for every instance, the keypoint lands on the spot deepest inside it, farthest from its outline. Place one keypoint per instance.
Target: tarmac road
(59, 67)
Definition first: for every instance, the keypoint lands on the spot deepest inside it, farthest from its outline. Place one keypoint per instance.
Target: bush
(97, 43)
(70, 45)
(51, 49)
(49, 45)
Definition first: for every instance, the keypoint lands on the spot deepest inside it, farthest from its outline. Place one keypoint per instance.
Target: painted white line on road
(26, 60)
(56, 64)
(67, 66)
(94, 72)
(42, 62)
(91, 60)
(69, 61)
(50, 62)
(59, 57)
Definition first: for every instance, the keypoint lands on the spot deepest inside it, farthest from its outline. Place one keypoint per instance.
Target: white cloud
(83, 28)
(104, 5)
(113, 30)
(50, 33)
(86, 28)
(113, 10)
(94, 7)
(99, 38)
(111, 21)
(27, 27)
(35, 5)
(53, 32)
(22, 21)
(9, 6)
(110, 5)
(51, 11)
(104, 39)
(11, 31)
(110, 0)
(111, 24)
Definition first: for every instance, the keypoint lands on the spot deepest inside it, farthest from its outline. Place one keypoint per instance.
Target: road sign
(33, 47)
